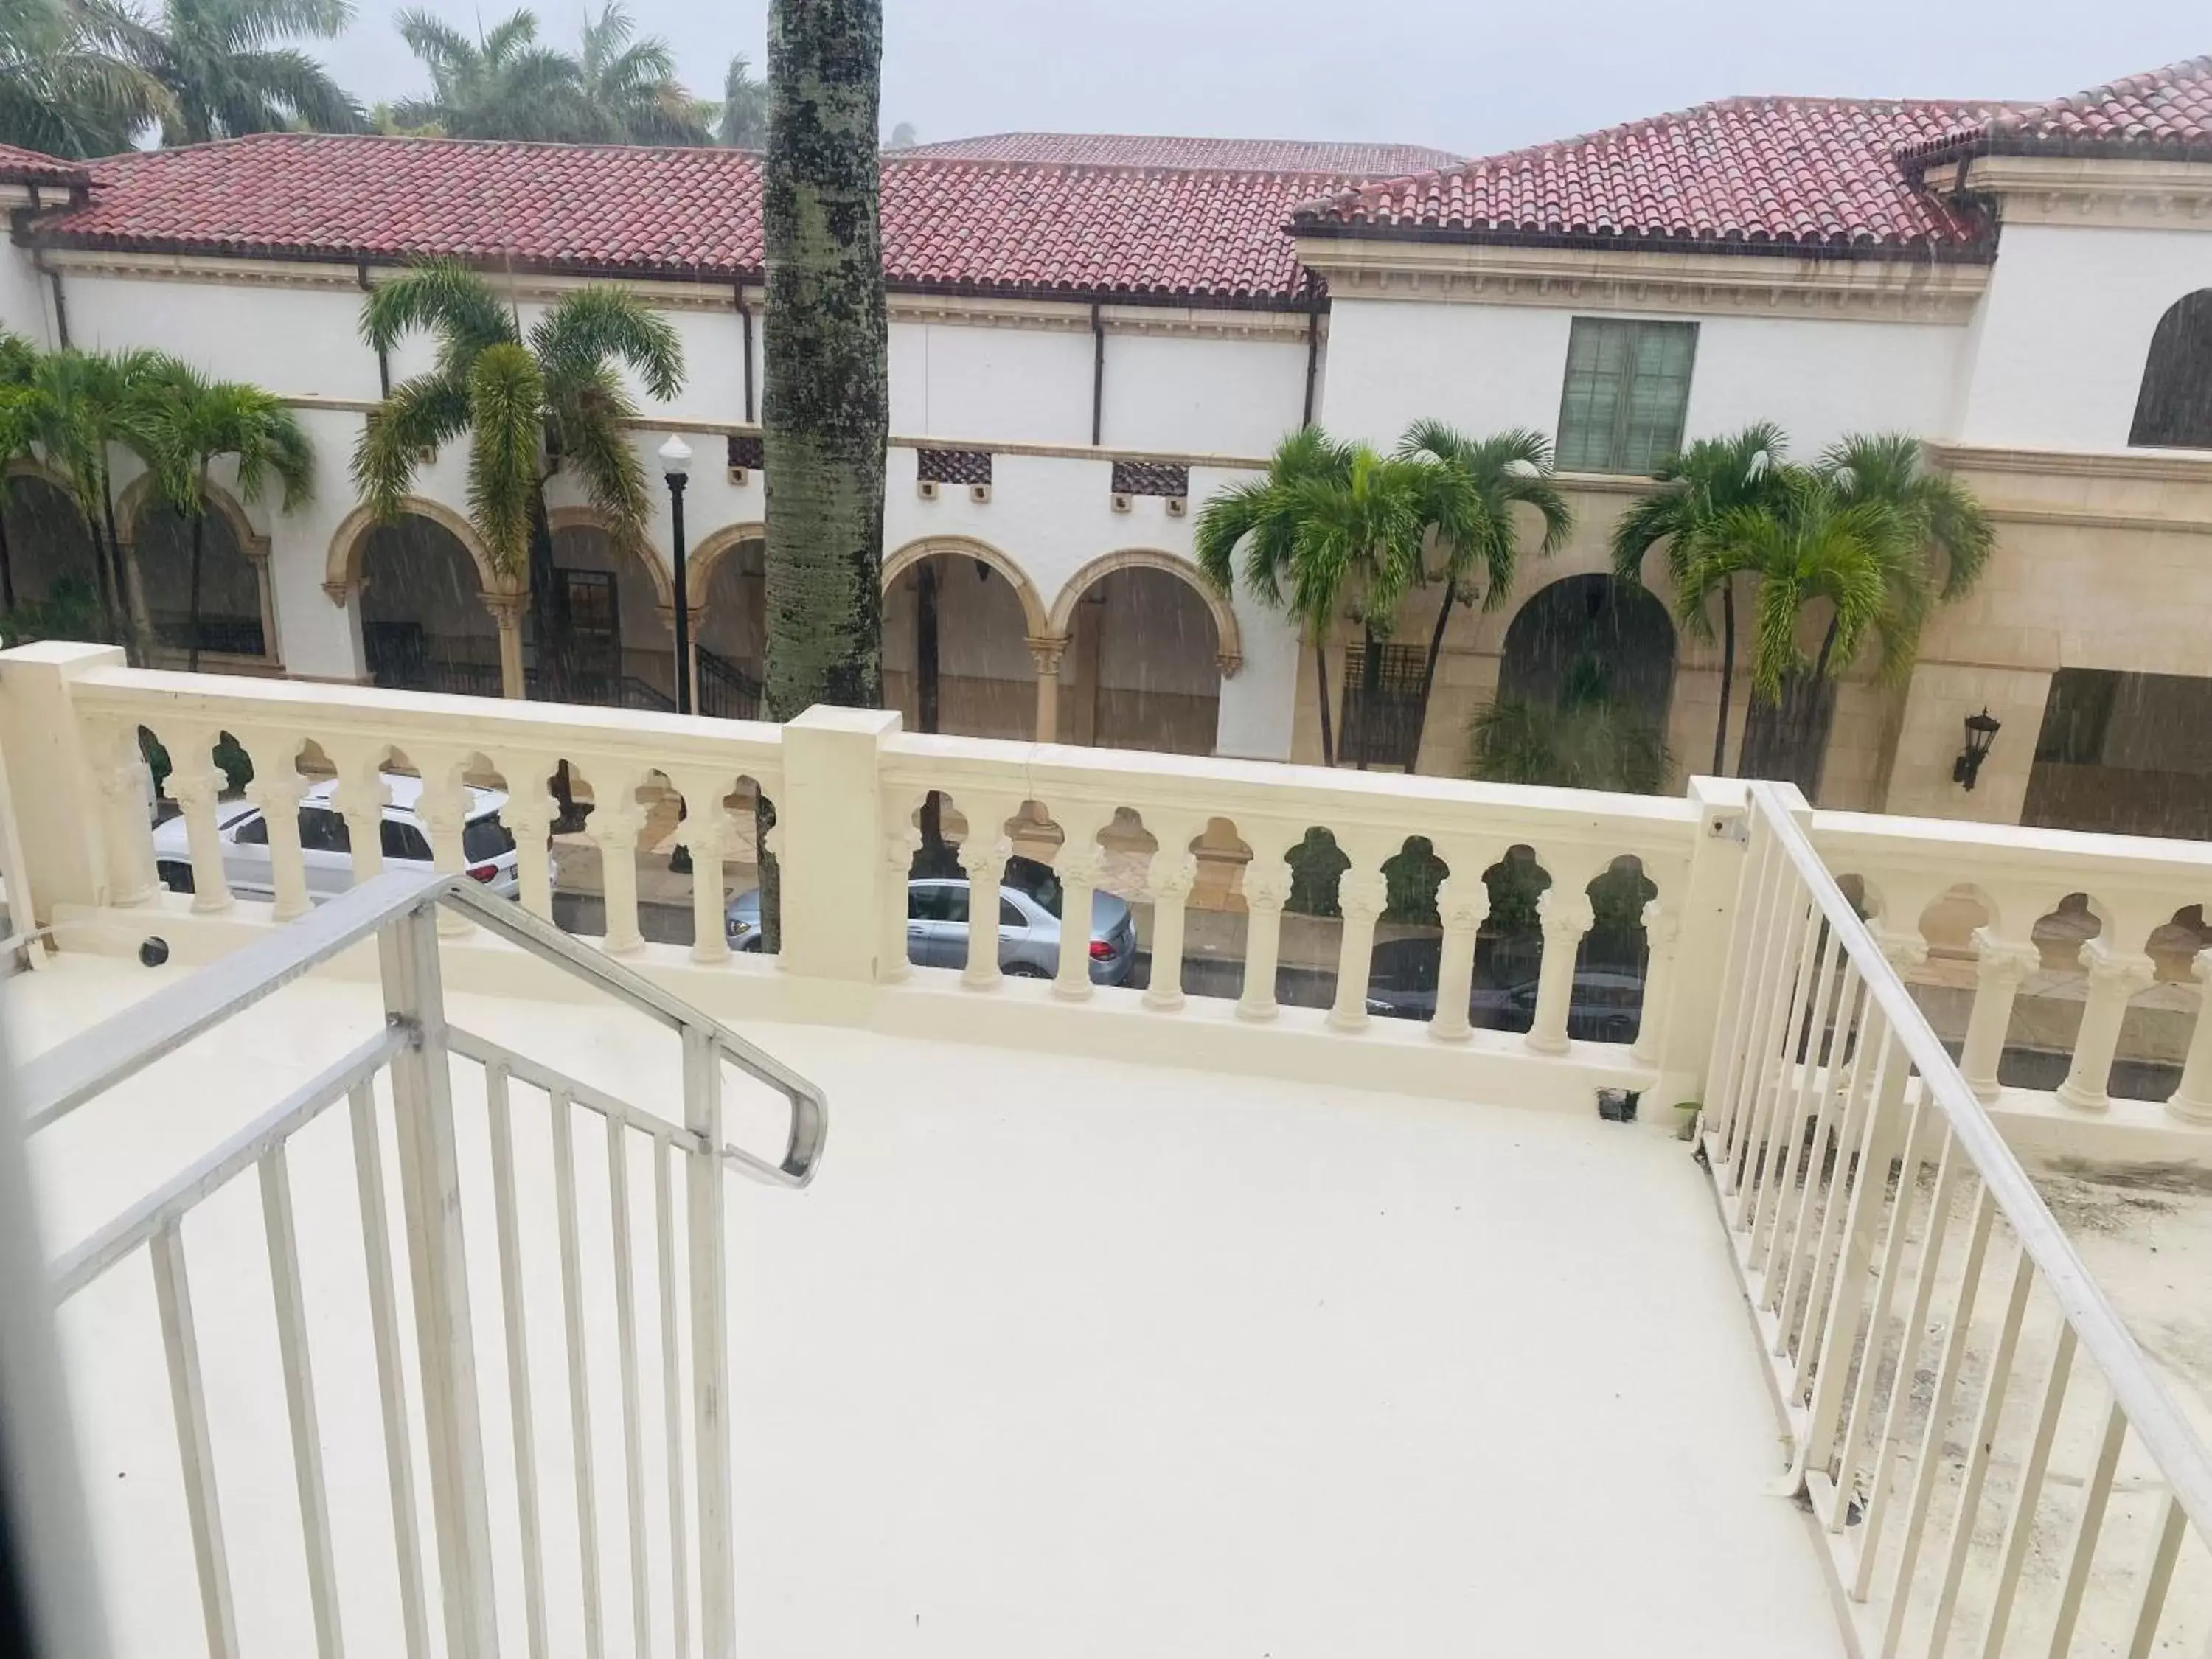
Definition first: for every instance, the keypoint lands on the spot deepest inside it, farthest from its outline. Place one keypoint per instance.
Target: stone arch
(589, 518)
(1034, 615)
(132, 504)
(1228, 642)
(1622, 625)
(30, 467)
(699, 562)
(2173, 406)
(342, 567)
(49, 540)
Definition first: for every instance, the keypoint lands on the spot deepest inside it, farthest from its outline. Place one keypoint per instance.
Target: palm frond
(445, 297)
(596, 325)
(419, 417)
(507, 427)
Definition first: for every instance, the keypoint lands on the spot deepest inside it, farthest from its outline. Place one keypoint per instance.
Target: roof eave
(1981, 250)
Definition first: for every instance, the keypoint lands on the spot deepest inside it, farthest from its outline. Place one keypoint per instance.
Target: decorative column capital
(2003, 963)
(978, 855)
(506, 609)
(1081, 866)
(1171, 875)
(196, 788)
(1046, 651)
(2125, 971)
(2201, 967)
(615, 825)
(1266, 885)
(273, 791)
(1904, 951)
(900, 845)
(1463, 903)
(1565, 916)
(1363, 895)
(1661, 926)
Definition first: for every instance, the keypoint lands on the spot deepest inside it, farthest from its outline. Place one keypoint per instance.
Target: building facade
(1090, 336)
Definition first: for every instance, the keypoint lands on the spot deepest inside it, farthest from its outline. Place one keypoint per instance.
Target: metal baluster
(188, 1400)
(626, 1342)
(521, 1417)
(671, 1392)
(2020, 1529)
(2157, 1577)
(299, 1400)
(710, 1353)
(2096, 1493)
(580, 1386)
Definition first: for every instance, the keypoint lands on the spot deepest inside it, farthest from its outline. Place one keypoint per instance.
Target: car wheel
(1025, 970)
(177, 878)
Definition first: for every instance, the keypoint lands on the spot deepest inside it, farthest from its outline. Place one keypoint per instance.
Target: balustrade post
(830, 818)
(984, 855)
(1661, 930)
(277, 790)
(361, 795)
(55, 789)
(1566, 916)
(706, 831)
(1361, 896)
(2001, 965)
(1267, 888)
(443, 808)
(614, 829)
(528, 815)
(2192, 1101)
(2114, 976)
(195, 785)
(1462, 903)
(899, 847)
(127, 800)
(1079, 871)
(1045, 651)
(1169, 879)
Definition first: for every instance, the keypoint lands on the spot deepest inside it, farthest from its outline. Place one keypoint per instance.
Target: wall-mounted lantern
(1981, 732)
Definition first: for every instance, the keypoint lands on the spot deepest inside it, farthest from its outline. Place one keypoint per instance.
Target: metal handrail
(2181, 1456)
(126, 1044)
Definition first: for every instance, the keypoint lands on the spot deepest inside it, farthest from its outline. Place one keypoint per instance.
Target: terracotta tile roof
(1129, 151)
(969, 226)
(2161, 114)
(1745, 175)
(30, 167)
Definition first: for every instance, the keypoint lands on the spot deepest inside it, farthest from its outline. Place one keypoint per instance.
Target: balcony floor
(1059, 1357)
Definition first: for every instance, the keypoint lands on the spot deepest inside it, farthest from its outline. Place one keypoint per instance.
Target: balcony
(1189, 1316)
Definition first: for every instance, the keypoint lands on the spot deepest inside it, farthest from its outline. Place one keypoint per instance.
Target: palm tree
(67, 87)
(504, 86)
(229, 72)
(742, 122)
(1326, 523)
(192, 422)
(1698, 487)
(1949, 527)
(20, 421)
(630, 85)
(532, 406)
(1472, 516)
(1809, 541)
(1585, 740)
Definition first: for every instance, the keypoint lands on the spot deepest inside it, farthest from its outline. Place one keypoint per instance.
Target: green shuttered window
(1628, 384)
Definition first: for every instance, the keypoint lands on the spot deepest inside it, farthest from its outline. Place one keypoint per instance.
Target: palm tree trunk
(825, 414)
(1320, 687)
(1370, 682)
(7, 566)
(137, 629)
(1728, 676)
(192, 604)
(1429, 677)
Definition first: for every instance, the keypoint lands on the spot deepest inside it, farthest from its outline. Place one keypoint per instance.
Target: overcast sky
(1460, 75)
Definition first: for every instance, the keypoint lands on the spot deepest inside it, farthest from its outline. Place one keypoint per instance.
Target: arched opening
(49, 584)
(622, 639)
(955, 652)
(2173, 408)
(731, 640)
(228, 618)
(1583, 691)
(424, 624)
(1142, 669)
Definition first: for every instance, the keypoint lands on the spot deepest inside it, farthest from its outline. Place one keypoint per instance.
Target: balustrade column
(1046, 652)
(1267, 887)
(706, 831)
(506, 610)
(1662, 928)
(1566, 916)
(126, 793)
(2192, 1101)
(1078, 873)
(1361, 896)
(614, 829)
(898, 867)
(277, 794)
(361, 797)
(1169, 879)
(1462, 902)
(984, 855)
(2000, 966)
(443, 808)
(528, 815)
(195, 787)
(2114, 976)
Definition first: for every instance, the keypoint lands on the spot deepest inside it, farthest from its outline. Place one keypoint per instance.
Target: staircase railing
(411, 1053)
(1867, 1193)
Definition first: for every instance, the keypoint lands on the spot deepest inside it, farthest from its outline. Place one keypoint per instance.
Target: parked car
(1028, 925)
(1604, 1006)
(488, 850)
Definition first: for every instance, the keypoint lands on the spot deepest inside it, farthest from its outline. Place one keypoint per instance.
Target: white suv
(488, 850)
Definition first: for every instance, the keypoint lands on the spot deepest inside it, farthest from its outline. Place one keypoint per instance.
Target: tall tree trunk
(7, 565)
(825, 415)
(1429, 675)
(549, 603)
(1320, 688)
(138, 630)
(1370, 682)
(1728, 676)
(936, 857)
(192, 604)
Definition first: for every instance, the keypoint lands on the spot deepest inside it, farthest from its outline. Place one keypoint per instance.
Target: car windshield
(1039, 881)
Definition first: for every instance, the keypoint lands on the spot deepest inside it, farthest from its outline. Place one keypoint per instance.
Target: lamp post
(676, 467)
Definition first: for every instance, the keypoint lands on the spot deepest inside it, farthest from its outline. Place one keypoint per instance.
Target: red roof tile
(2162, 113)
(1742, 175)
(1003, 226)
(1130, 150)
(30, 167)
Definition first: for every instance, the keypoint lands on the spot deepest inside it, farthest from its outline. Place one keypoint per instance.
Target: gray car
(1028, 925)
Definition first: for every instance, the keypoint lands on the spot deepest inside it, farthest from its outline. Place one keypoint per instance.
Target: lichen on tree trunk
(825, 412)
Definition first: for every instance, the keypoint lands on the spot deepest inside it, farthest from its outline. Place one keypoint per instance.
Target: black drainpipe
(1313, 344)
(61, 301)
(383, 362)
(745, 322)
(1097, 373)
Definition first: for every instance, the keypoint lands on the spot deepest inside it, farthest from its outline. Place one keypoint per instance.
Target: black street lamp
(1981, 732)
(676, 467)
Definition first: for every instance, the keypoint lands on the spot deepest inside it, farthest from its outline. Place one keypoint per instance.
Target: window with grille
(953, 466)
(747, 453)
(1628, 384)
(1151, 478)
(1381, 721)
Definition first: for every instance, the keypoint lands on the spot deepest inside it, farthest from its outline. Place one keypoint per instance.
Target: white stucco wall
(297, 342)
(2065, 329)
(1481, 367)
(954, 381)
(24, 304)
(1202, 396)
(1821, 379)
